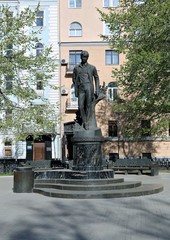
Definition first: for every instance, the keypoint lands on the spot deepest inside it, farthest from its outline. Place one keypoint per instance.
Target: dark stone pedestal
(87, 153)
(98, 174)
(69, 174)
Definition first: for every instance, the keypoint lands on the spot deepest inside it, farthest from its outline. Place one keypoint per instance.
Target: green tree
(21, 70)
(140, 29)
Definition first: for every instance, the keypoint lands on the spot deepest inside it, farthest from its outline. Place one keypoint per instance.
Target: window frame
(8, 148)
(113, 128)
(39, 85)
(147, 155)
(38, 50)
(39, 17)
(75, 30)
(9, 49)
(106, 29)
(111, 3)
(75, 4)
(113, 156)
(77, 56)
(8, 82)
(73, 98)
(113, 52)
(114, 97)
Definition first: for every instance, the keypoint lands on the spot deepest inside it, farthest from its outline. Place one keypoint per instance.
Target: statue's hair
(84, 53)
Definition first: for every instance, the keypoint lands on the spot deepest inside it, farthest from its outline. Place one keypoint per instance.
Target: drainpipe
(59, 43)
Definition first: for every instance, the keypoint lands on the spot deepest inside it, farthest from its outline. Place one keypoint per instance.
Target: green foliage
(6, 174)
(140, 29)
(18, 76)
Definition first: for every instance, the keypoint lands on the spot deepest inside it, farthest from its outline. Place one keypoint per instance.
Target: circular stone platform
(83, 188)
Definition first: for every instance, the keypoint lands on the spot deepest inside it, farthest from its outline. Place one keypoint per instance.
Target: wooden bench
(135, 164)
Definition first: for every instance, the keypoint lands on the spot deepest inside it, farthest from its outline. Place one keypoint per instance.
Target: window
(73, 92)
(145, 125)
(112, 32)
(39, 48)
(74, 59)
(74, 99)
(106, 29)
(8, 149)
(40, 19)
(146, 155)
(112, 92)
(74, 3)
(112, 57)
(8, 82)
(75, 30)
(113, 156)
(113, 128)
(111, 3)
(9, 49)
(39, 79)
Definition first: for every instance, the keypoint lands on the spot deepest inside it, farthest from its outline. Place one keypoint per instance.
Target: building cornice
(134, 139)
(86, 44)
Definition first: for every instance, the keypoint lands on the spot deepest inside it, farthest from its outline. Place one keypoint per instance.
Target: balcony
(72, 104)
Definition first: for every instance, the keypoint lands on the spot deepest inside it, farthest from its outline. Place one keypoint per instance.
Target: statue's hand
(96, 94)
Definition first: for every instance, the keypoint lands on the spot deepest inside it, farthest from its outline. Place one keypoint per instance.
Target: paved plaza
(35, 217)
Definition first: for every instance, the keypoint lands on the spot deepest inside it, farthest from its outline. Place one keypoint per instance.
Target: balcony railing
(72, 104)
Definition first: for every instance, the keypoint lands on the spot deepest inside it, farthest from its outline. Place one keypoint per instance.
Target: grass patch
(164, 170)
(6, 174)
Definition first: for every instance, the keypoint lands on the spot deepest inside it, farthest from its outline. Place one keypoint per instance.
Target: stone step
(144, 189)
(81, 181)
(88, 187)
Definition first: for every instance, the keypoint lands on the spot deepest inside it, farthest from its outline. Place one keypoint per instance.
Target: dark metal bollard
(23, 180)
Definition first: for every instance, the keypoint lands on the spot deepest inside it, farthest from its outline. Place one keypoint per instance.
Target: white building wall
(50, 8)
(53, 40)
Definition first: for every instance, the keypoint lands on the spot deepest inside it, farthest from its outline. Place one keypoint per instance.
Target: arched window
(39, 48)
(112, 92)
(75, 30)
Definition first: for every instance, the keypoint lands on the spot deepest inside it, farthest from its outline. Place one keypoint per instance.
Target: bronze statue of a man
(83, 75)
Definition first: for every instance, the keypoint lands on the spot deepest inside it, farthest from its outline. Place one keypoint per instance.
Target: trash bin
(23, 180)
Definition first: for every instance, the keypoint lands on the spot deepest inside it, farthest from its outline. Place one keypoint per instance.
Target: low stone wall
(8, 165)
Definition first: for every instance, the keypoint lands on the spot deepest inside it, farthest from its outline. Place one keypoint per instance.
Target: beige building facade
(80, 27)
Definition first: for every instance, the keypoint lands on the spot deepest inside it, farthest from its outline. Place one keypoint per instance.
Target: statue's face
(84, 58)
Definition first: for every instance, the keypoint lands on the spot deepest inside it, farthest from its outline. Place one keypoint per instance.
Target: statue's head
(84, 56)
